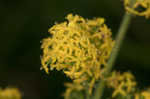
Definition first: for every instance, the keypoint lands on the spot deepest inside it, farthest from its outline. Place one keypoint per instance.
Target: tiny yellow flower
(119, 90)
(134, 8)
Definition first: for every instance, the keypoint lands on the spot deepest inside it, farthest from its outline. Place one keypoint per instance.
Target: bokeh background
(24, 23)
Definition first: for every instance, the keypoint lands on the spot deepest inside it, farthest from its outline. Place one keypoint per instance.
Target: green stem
(120, 37)
(87, 94)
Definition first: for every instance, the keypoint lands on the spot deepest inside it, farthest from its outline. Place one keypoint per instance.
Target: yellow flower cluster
(123, 84)
(10, 93)
(79, 47)
(143, 95)
(134, 8)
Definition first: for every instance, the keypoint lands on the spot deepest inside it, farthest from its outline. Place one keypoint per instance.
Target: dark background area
(24, 23)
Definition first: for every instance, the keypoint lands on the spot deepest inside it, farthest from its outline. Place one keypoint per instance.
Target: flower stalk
(120, 37)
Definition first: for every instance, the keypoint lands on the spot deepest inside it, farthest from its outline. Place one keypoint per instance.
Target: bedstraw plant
(84, 50)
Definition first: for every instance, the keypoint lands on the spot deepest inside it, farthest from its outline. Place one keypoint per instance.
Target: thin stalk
(119, 39)
(87, 94)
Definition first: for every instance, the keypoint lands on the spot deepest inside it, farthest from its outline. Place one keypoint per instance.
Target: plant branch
(119, 39)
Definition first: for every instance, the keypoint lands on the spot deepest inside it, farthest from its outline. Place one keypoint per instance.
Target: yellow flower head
(79, 47)
(121, 83)
(10, 93)
(134, 8)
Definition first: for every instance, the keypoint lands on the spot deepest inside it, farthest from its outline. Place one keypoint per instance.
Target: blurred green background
(23, 23)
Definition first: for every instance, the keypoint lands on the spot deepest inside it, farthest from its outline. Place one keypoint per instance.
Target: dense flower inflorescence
(123, 84)
(79, 47)
(140, 7)
(10, 93)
